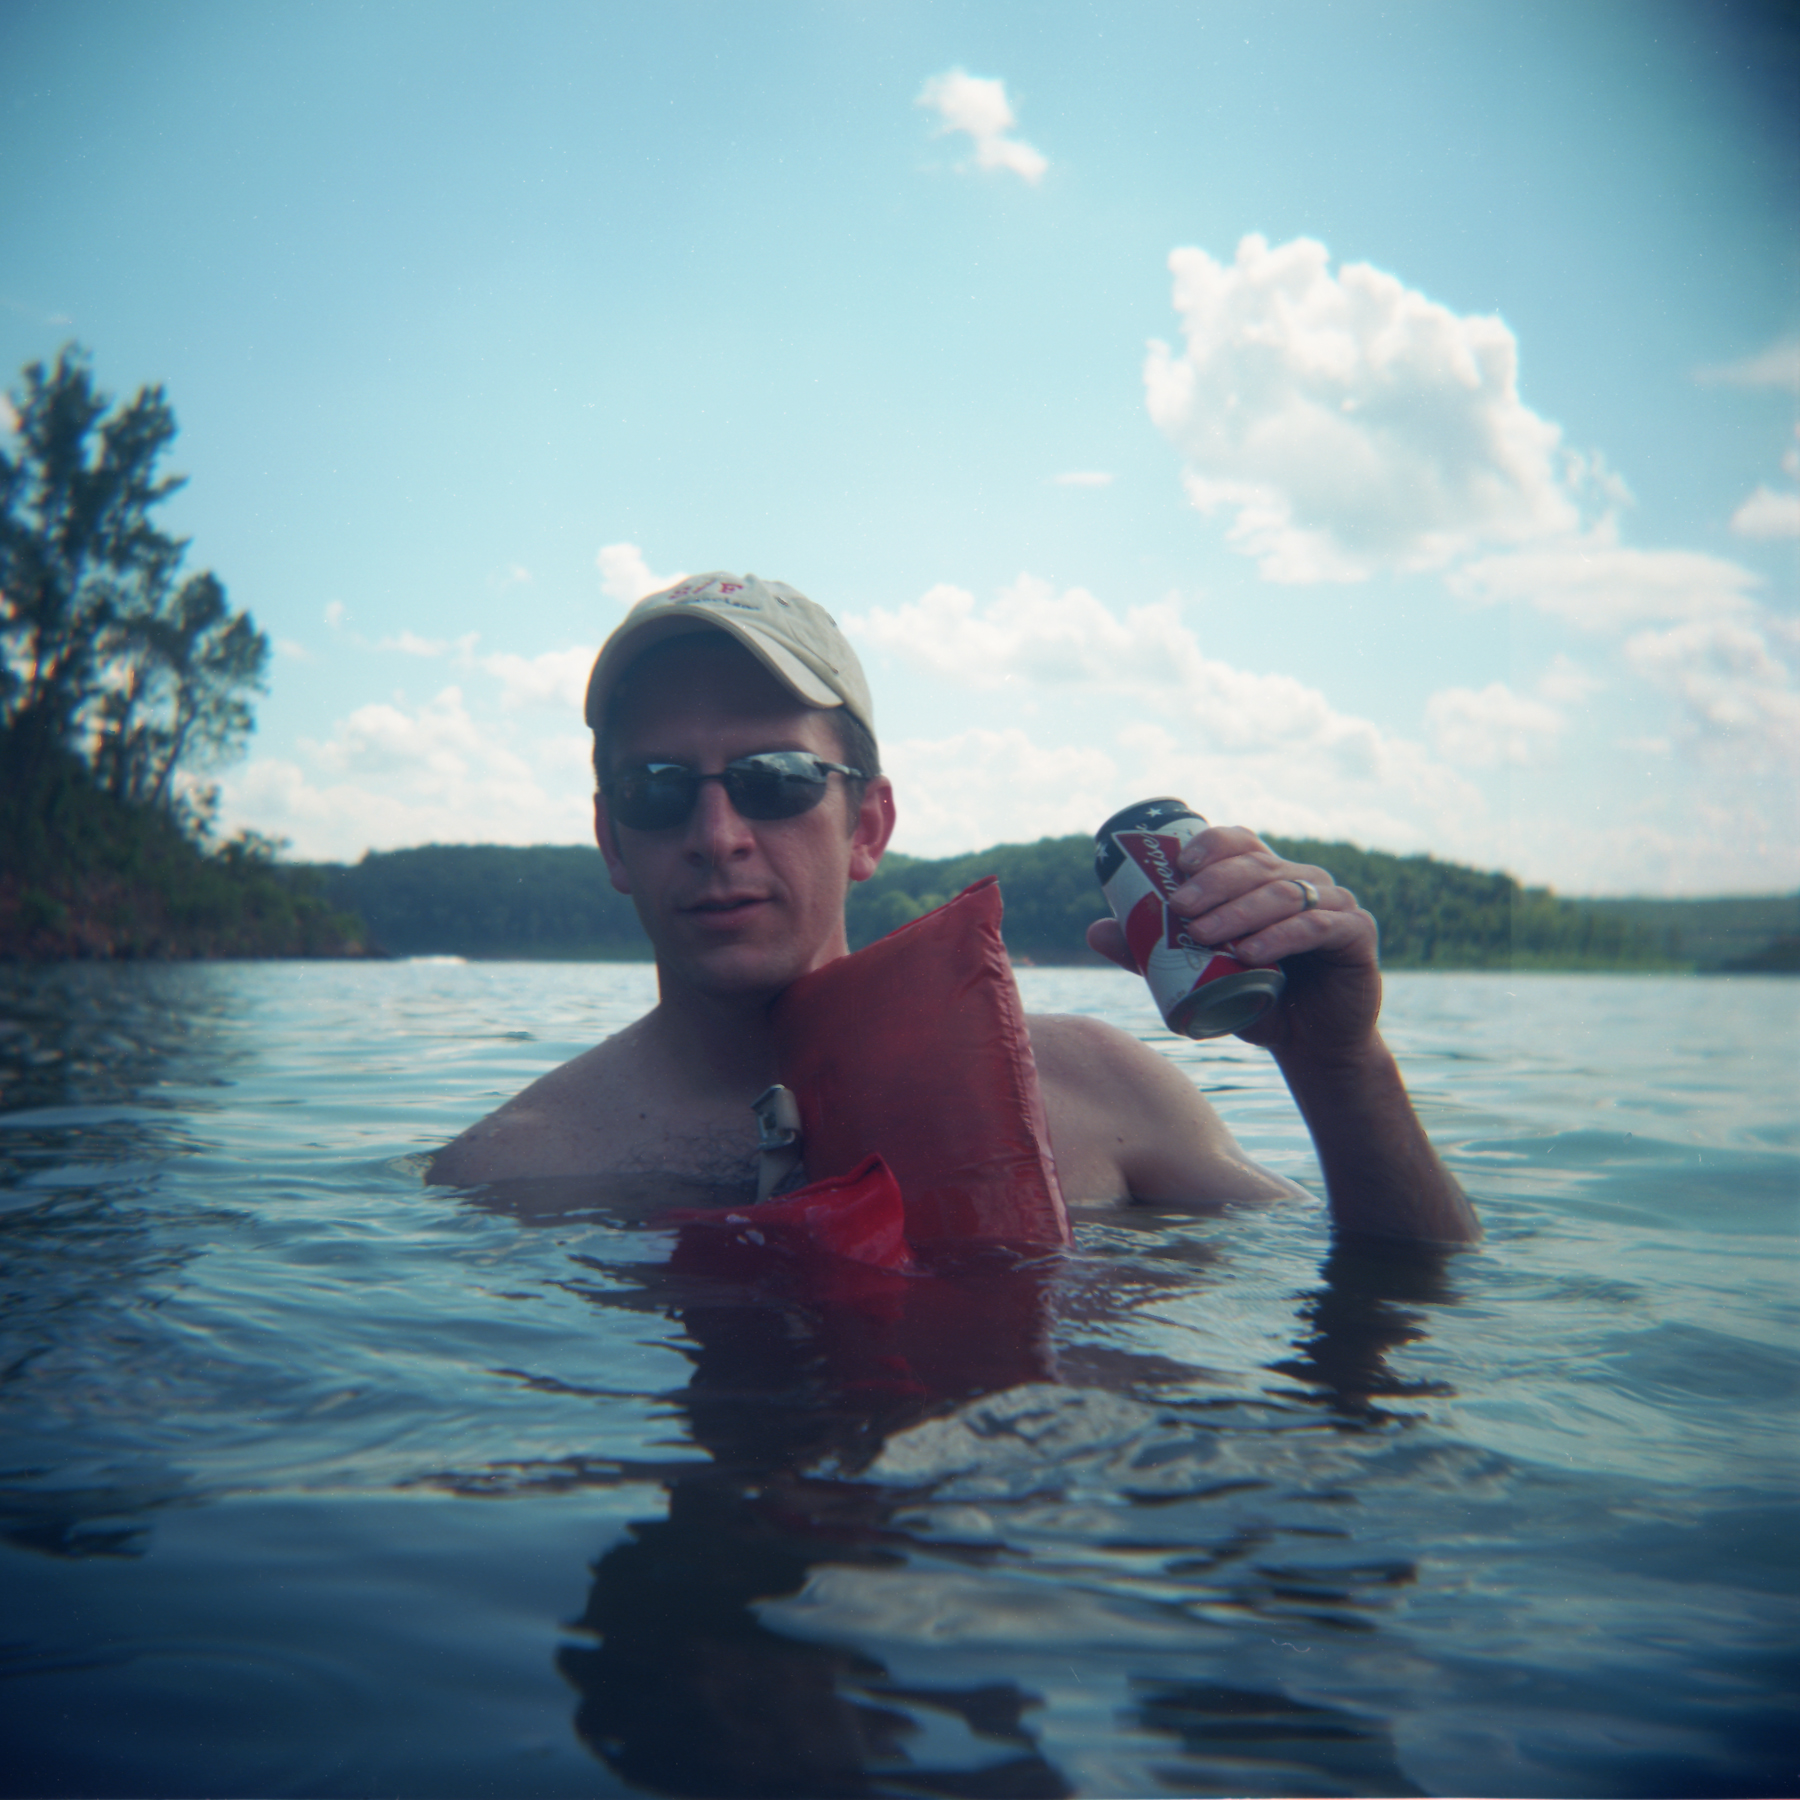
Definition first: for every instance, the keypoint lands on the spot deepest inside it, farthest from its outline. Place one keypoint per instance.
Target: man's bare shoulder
(1126, 1122)
(616, 1109)
(559, 1125)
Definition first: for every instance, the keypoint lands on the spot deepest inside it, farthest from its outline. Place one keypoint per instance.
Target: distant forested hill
(554, 901)
(1757, 933)
(549, 902)
(1434, 915)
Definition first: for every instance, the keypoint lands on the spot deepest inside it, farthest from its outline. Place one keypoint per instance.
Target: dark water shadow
(683, 1687)
(684, 1690)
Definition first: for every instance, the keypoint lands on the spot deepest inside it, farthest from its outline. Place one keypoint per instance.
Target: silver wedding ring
(1309, 895)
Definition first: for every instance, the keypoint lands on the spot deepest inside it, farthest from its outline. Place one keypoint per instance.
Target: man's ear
(608, 840)
(873, 826)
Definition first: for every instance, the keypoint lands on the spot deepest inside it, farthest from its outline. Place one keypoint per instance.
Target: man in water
(739, 796)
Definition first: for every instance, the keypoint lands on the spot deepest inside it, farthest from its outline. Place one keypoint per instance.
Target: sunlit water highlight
(320, 1481)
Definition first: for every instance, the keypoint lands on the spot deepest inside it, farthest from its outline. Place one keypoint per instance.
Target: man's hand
(1241, 897)
(1382, 1176)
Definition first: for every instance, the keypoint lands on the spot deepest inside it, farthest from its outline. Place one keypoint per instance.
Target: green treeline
(548, 902)
(121, 677)
(1433, 915)
(554, 901)
(1753, 934)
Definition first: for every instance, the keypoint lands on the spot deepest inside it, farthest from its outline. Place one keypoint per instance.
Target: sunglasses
(773, 784)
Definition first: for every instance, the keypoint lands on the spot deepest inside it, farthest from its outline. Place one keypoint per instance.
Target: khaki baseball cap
(795, 639)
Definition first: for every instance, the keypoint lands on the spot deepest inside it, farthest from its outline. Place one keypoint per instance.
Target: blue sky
(1457, 512)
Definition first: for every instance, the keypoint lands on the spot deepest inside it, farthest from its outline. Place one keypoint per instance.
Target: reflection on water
(689, 1691)
(686, 1690)
(314, 1480)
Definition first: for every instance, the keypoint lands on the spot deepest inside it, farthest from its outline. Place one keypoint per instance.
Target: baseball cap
(794, 638)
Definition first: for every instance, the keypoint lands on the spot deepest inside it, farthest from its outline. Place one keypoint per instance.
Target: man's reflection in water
(687, 1692)
(1359, 1314)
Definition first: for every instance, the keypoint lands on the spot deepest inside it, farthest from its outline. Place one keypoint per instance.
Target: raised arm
(1382, 1177)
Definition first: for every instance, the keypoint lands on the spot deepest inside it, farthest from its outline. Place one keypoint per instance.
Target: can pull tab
(778, 1122)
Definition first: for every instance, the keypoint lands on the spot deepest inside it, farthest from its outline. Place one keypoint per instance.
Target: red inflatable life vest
(922, 1124)
(914, 1049)
(859, 1217)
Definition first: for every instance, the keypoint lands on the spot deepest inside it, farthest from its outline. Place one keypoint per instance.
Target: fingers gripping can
(1201, 992)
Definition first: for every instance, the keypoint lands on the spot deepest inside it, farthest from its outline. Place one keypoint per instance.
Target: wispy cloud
(1776, 367)
(1088, 478)
(22, 309)
(411, 644)
(1769, 513)
(979, 108)
(1566, 682)
(1599, 584)
(1481, 728)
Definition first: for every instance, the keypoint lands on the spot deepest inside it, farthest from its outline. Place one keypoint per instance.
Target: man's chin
(734, 971)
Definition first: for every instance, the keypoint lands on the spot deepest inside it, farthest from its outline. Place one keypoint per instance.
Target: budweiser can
(1200, 992)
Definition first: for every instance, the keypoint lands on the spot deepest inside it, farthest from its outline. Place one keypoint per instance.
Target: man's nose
(716, 830)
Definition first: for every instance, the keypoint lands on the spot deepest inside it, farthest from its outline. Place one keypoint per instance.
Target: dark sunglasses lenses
(779, 784)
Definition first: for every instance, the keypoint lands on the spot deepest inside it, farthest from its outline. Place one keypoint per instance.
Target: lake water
(320, 1481)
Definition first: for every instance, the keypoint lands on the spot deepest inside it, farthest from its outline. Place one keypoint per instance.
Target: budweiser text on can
(1200, 992)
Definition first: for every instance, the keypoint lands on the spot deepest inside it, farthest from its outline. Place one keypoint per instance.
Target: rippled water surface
(318, 1480)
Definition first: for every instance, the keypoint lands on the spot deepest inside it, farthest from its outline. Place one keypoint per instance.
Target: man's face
(735, 906)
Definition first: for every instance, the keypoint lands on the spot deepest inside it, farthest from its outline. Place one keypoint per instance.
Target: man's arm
(1382, 1177)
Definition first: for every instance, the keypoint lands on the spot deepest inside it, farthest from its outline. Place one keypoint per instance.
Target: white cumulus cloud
(1480, 728)
(556, 679)
(393, 774)
(1346, 423)
(979, 108)
(1267, 748)
(981, 786)
(382, 736)
(1732, 686)
(1032, 633)
(626, 577)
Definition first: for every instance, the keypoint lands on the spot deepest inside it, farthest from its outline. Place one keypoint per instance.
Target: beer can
(1201, 992)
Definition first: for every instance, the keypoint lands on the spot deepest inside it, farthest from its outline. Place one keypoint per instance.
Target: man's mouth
(723, 906)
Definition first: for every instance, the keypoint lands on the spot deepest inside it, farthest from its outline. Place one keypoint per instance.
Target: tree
(109, 656)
